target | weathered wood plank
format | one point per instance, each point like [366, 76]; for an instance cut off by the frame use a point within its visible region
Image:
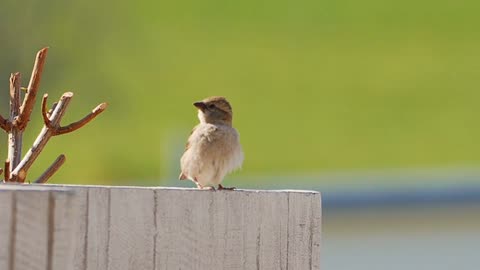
[231, 250]
[32, 230]
[265, 230]
[315, 230]
[131, 237]
[252, 216]
[36, 233]
[302, 230]
[193, 233]
[273, 231]
[159, 228]
[177, 227]
[61, 225]
[7, 210]
[98, 225]
[80, 228]
[232, 230]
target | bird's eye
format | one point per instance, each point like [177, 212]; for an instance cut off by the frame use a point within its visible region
[211, 106]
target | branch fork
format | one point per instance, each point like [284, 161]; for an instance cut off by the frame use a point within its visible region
[51, 122]
[16, 168]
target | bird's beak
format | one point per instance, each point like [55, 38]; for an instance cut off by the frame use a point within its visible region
[200, 105]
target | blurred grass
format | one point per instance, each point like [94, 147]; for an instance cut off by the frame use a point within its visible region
[315, 85]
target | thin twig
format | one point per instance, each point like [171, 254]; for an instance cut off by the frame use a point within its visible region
[15, 134]
[80, 123]
[45, 134]
[6, 176]
[16, 168]
[49, 113]
[29, 100]
[45, 115]
[51, 170]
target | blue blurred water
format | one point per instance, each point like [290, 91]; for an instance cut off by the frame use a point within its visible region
[442, 238]
[446, 250]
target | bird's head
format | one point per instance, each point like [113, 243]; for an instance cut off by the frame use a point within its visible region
[214, 110]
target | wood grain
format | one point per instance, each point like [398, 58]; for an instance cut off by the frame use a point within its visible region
[80, 228]
[236, 230]
[61, 228]
[131, 234]
[302, 227]
[32, 224]
[7, 222]
[98, 223]
[316, 228]
[116, 228]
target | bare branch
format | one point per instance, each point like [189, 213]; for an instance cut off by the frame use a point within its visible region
[6, 176]
[45, 112]
[76, 125]
[45, 134]
[51, 170]
[4, 124]
[15, 133]
[16, 168]
[15, 94]
[49, 113]
[29, 100]
[20, 177]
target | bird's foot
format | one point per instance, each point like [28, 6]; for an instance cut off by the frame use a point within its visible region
[220, 187]
[205, 188]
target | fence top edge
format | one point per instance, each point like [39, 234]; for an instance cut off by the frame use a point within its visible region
[32, 187]
[174, 188]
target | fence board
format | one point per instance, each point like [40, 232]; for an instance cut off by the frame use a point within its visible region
[302, 225]
[116, 228]
[36, 231]
[61, 225]
[7, 204]
[80, 229]
[131, 229]
[31, 237]
[98, 227]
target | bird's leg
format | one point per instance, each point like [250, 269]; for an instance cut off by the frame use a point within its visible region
[202, 187]
[198, 184]
[220, 187]
[206, 188]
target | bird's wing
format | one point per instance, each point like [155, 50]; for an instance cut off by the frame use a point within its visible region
[182, 175]
[187, 145]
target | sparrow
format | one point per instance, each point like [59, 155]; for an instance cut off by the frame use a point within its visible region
[213, 149]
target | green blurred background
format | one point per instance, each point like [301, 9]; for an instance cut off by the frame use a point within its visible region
[316, 86]
[375, 103]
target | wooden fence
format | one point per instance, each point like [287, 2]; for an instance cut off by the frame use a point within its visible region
[53, 227]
